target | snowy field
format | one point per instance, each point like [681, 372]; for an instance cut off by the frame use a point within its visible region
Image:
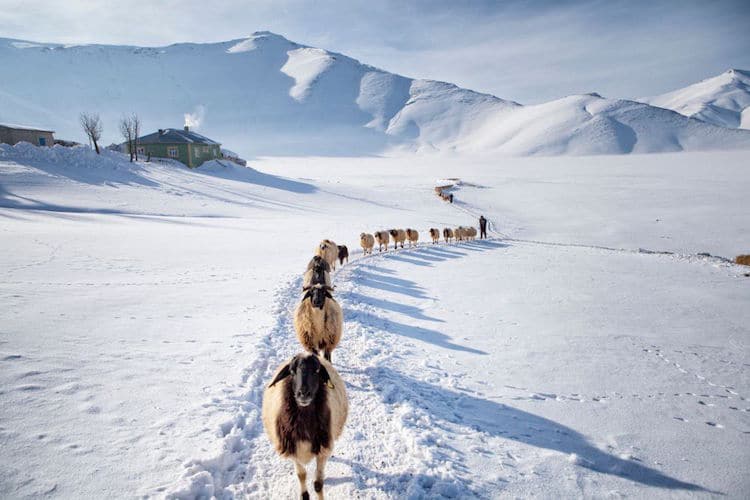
[589, 348]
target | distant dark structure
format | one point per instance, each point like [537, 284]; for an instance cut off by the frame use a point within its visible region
[13, 134]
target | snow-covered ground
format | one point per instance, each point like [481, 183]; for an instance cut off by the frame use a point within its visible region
[587, 349]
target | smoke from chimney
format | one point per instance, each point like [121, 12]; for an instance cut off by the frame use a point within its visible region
[194, 119]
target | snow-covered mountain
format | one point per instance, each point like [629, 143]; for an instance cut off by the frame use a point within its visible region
[723, 100]
[266, 95]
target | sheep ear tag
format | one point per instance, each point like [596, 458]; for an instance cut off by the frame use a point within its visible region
[329, 384]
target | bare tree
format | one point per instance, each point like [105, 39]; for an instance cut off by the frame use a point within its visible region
[136, 122]
[92, 125]
[130, 128]
[126, 129]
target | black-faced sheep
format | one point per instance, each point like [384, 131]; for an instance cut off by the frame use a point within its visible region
[304, 412]
[459, 233]
[318, 320]
[329, 251]
[399, 236]
[343, 254]
[318, 272]
[435, 235]
[383, 239]
[413, 236]
[366, 241]
[447, 234]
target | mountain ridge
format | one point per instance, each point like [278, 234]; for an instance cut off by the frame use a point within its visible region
[267, 95]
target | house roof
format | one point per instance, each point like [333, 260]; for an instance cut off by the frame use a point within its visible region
[175, 136]
[25, 127]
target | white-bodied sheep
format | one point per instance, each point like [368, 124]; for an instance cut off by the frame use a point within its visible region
[329, 251]
[471, 232]
[435, 235]
[413, 236]
[448, 234]
[459, 233]
[318, 320]
[366, 241]
[399, 236]
[304, 412]
[383, 239]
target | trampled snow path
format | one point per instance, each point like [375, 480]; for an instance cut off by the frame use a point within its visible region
[398, 441]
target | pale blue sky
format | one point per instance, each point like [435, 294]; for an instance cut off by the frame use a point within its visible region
[527, 51]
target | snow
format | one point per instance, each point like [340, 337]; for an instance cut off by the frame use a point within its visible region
[305, 65]
[292, 99]
[722, 100]
[590, 348]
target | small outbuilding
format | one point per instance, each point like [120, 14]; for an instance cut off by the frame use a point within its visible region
[179, 144]
[12, 134]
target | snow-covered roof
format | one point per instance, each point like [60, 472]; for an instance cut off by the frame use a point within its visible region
[25, 127]
[175, 136]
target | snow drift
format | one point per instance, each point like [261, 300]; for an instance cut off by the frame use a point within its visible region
[266, 95]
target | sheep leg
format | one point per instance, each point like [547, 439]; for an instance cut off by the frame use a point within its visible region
[327, 355]
[320, 461]
[302, 476]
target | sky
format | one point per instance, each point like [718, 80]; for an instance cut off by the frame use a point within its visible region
[527, 51]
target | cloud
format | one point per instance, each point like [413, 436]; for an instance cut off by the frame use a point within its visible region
[528, 51]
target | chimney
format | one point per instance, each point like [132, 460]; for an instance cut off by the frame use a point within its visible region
[187, 129]
[161, 131]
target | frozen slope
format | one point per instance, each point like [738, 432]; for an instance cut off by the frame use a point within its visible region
[266, 95]
[146, 305]
[723, 100]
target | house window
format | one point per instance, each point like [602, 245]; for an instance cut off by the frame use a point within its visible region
[140, 150]
[197, 153]
[172, 151]
[42, 141]
[205, 149]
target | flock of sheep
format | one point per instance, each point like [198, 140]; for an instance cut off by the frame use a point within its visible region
[305, 406]
[383, 238]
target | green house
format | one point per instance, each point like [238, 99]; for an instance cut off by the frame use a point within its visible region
[179, 144]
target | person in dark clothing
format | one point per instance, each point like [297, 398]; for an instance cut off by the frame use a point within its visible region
[482, 227]
[450, 197]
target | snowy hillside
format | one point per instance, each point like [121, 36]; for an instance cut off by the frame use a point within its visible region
[591, 348]
[266, 95]
[723, 100]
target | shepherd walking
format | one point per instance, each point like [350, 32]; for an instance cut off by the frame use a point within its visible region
[482, 227]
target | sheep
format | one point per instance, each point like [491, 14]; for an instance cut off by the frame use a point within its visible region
[343, 254]
[412, 235]
[447, 234]
[743, 260]
[366, 241]
[318, 272]
[329, 251]
[318, 320]
[435, 235]
[399, 236]
[304, 412]
[471, 232]
[459, 233]
[383, 239]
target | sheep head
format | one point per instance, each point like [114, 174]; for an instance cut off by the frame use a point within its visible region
[308, 376]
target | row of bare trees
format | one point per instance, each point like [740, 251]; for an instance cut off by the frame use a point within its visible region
[130, 128]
